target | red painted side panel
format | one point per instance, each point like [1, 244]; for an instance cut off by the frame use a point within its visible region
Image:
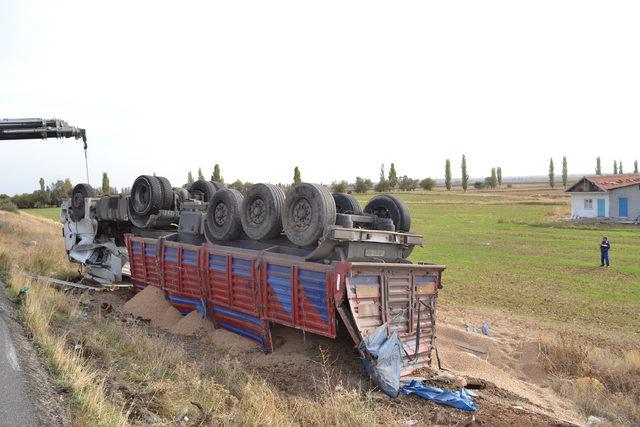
[181, 278]
[299, 294]
[231, 283]
[143, 261]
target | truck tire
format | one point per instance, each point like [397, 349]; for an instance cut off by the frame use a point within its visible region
[167, 193]
[217, 185]
[347, 204]
[261, 211]
[146, 195]
[223, 215]
[203, 190]
[308, 211]
[405, 222]
[80, 192]
[387, 206]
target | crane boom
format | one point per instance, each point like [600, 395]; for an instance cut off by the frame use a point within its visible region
[15, 129]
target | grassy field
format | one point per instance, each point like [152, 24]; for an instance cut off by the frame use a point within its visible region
[51, 213]
[514, 252]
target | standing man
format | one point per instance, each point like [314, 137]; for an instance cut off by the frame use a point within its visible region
[604, 251]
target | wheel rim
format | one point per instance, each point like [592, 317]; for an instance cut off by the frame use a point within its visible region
[381, 212]
[301, 210]
[78, 200]
[142, 197]
[220, 214]
[257, 211]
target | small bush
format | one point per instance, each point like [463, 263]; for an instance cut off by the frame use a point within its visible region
[427, 184]
[363, 185]
[339, 186]
[8, 205]
[408, 184]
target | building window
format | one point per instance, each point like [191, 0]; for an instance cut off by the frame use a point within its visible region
[588, 203]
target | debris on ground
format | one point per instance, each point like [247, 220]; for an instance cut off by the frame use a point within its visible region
[382, 358]
[461, 399]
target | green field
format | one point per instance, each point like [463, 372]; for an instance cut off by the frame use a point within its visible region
[51, 213]
[517, 255]
[511, 251]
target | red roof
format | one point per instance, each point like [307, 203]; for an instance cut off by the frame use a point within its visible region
[609, 182]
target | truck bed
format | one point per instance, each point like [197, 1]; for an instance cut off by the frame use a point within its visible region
[245, 290]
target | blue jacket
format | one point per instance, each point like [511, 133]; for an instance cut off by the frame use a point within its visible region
[604, 247]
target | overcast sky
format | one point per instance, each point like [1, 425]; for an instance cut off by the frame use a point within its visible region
[335, 87]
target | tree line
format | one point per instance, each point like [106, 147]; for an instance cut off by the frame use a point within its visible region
[617, 167]
[53, 194]
[617, 170]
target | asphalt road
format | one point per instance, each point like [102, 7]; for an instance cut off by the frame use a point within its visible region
[15, 405]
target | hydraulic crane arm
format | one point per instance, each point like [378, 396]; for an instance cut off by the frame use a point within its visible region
[11, 129]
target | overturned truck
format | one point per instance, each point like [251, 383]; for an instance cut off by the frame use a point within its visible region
[309, 259]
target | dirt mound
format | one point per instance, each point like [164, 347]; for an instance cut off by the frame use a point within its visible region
[191, 324]
[151, 304]
[506, 361]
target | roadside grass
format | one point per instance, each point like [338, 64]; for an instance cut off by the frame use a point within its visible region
[8, 206]
[603, 382]
[117, 374]
[41, 303]
[49, 213]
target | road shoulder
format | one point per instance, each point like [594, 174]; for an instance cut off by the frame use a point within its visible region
[33, 398]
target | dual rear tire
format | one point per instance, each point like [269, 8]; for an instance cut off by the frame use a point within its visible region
[387, 206]
[149, 195]
[308, 211]
[223, 216]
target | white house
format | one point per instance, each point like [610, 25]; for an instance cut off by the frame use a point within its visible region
[606, 196]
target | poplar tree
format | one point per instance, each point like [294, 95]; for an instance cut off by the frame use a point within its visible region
[216, 175]
[68, 187]
[565, 172]
[615, 167]
[620, 167]
[190, 178]
[296, 176]
[493, 181]
[105, 183]
[41, 182]
[465, 176]
[447, 174]
[598, 167]
[200, 175]
[552, 177]
[635, 166]
[499, 172]
[393, 176]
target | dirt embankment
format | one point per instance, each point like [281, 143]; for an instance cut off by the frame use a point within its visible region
[516, 390]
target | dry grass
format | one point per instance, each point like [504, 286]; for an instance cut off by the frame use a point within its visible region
[602, 382]
[8, 205]
[120, 374]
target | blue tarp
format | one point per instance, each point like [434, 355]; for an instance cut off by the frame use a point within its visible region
[461, 399]
[383, 359]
